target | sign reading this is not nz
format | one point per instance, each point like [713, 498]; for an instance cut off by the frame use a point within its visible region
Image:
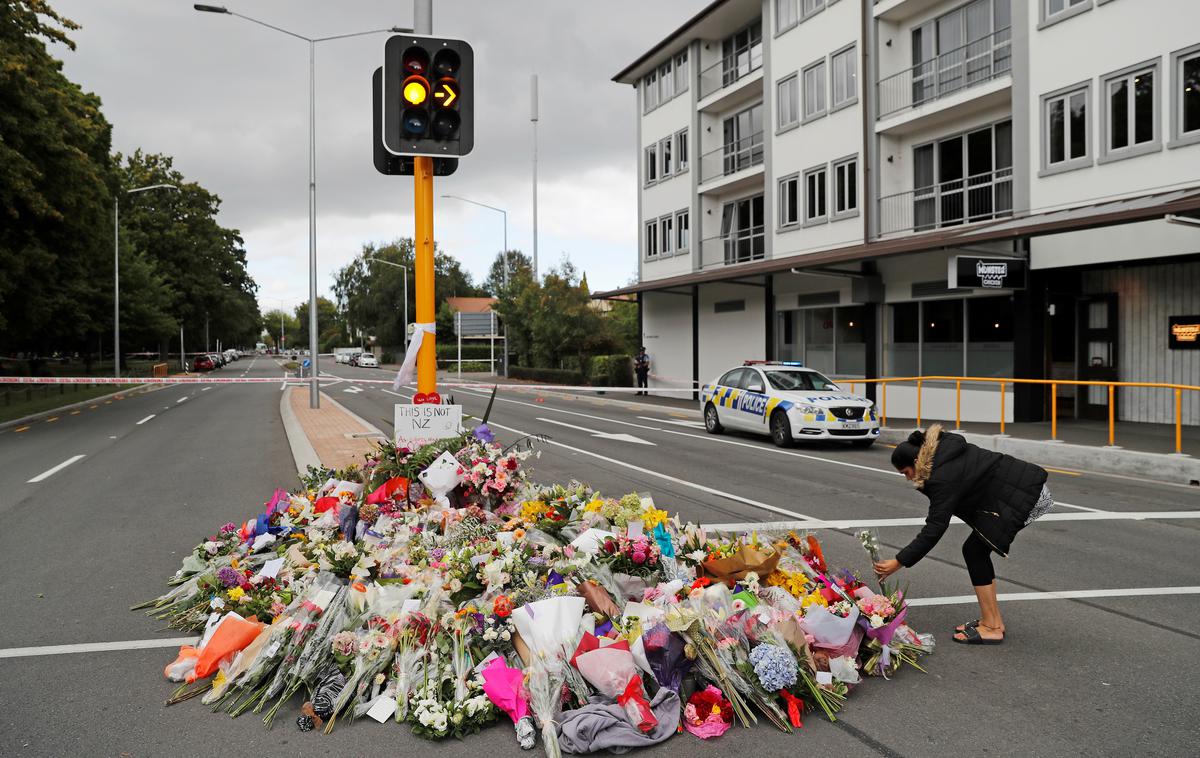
[427, 422]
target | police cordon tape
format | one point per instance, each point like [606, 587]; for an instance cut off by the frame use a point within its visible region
[294, 381]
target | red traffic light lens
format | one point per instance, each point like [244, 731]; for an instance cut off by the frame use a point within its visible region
[414, 122]
[445, 124]
[446, 63]
[415, 60]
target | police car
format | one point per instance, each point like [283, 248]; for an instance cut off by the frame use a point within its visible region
[789, 402]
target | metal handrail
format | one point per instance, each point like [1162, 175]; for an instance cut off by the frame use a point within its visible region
[977, 61]
[735, 156]
[729, 247]
[980, 197]
[958, 380]
[731, 70]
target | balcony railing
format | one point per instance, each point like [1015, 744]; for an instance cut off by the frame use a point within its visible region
[974, 63]
[731, 158]
[961, 201]
[741, 246]
[730, 69]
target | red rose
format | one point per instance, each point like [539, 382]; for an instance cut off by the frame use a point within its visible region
[502, 607]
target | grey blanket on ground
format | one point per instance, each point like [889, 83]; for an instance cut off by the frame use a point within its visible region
[603, 725]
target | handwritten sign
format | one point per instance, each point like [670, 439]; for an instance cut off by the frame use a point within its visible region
[427, 422]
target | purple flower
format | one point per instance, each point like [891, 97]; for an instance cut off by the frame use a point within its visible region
[228, 528]
[437, 554]
[229, 577]
[483, 433]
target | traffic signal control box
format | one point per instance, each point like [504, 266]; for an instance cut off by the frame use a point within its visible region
[428, 96]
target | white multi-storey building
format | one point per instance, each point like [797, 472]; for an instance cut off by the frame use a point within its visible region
[991, 188]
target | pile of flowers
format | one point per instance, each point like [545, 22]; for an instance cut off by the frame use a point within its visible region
[437, 587]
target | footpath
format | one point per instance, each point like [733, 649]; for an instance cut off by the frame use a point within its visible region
[331, 436]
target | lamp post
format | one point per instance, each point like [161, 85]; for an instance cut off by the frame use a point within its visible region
[117, 270]
[282, 301]
[314, 399]
[503, 213]
[402, 266]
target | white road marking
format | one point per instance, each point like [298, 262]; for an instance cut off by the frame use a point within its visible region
[677, 422]
[668, 477]
[152, 415]
[1059, 595]
[783, 526]
[52, 471]
[206, 389]
[601, 435]
[97, 647]
[353, 390]
[180, 400]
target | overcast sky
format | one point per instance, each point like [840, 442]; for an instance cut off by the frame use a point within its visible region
[228, 99]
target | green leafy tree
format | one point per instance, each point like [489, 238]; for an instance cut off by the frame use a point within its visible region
[275, 319]
[519, 264]
[331, 331]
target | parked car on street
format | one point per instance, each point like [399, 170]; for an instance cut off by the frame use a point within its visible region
[203, 363]
[368, 360]
[789, 402]
[353, 359]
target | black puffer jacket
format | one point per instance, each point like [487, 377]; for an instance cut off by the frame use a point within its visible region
[992, 492]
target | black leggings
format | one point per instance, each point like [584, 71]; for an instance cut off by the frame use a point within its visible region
[978, 555]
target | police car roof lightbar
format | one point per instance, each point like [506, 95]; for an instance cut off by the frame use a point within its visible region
[797, 364]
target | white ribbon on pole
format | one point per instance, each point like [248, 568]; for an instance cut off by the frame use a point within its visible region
[405, 374]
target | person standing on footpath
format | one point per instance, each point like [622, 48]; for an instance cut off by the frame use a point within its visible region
[996, 495]
[641, 367]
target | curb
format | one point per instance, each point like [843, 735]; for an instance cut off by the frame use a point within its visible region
[302, 450]
[73, 406]
[1163, 467]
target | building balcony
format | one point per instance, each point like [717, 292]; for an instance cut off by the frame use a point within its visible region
[977, 70]
[732, 166]
[731, 249]
[982, 197]
[900, 10]
[731, 80]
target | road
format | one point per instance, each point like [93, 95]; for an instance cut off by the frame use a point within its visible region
[1105, 673]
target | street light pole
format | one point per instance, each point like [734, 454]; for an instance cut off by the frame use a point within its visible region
[117, 271]
[314, 397]
[503, 213]
[400, 266]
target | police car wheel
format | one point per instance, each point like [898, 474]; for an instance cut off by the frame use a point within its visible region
[712, 424]
[781, 429]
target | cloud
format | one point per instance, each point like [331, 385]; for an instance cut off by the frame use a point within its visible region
[228, 99]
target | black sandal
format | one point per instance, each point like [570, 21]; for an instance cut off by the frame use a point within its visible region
[971, 636]
[962, 628]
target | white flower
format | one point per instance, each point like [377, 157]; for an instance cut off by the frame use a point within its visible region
[876, 621]
[216, 604]
[344, 549]
[211, 547]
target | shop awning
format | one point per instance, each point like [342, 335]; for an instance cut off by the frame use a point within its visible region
[1077, 218]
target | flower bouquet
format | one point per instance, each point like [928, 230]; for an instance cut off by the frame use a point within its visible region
[708, 713]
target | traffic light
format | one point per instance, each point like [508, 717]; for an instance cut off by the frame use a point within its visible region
[386, 162]
[428, 103]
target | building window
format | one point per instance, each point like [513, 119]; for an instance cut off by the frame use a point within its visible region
[814, 91]
[812, 7]
[664, 150]
[787, 97]
[681, 151]
[789, 200]
[904, 346]
[651, 161]
[1065, 129]
[1054, 11]
[815, 184]
[741, 53]
[666, 82]
[969, 45]
[845, 77]
[786, 15]
[1185, 96]
[666, 235]
[990, 336]
[650, 92]
[683, 236]
[652, 239]
[681, 72]
[1130, 124]
[959, 179]
[742, 230]
[942, 338]
[845, 187]
[743, 140]
[850, 340]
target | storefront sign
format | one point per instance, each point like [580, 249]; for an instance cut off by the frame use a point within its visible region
[1184, 332]
[973, 272]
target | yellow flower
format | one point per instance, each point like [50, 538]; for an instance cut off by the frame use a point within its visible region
[236, 593]
[233, 563]
[532, 510]
[653, 517]
[594, 506]
[814, 599]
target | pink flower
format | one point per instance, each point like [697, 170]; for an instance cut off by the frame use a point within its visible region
[638, 557]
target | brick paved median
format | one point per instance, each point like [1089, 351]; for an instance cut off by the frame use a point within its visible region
[330, 430]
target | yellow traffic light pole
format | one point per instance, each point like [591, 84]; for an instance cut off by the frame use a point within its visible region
[423, 275]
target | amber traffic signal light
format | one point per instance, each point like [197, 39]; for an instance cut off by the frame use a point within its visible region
[428, 107]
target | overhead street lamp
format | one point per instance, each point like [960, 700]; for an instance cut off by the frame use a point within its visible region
[503, 213]
[397, 265]
[314, 399]
[282, 314]
[117, 270]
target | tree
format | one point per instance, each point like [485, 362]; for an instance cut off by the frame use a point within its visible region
[331, 331]
[519, 264]
[273, 320]
[56, 187]
[622, 322]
